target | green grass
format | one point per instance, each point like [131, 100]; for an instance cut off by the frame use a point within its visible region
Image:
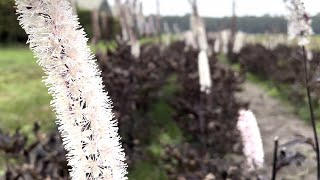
[103, 47]
[224, 60]
[145, 170]
[164, 132]
[23, 97]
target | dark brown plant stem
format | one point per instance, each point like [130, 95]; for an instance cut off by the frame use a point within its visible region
[311, 110]
[201, 113]
[275, 159]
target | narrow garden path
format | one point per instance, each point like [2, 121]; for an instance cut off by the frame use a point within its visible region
[276, 118]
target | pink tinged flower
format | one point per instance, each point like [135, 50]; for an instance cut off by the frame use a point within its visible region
[251, 139]
[299, 22]
[83, 109]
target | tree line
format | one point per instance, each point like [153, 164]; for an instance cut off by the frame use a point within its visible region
[249, 24]
[10, 30]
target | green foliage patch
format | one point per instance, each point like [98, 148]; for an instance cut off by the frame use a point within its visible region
[24, 99]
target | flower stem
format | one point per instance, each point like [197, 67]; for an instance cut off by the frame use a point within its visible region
[275, 159]
[311, 110]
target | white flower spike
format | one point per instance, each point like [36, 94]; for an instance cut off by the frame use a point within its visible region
[204, 72]
[89, 132]
[299, 22]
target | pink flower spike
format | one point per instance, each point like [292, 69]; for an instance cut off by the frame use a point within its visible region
[251, 139]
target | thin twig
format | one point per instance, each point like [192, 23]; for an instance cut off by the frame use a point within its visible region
[311, 110]
[275, 159]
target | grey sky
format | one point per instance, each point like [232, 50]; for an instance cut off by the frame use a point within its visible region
[219, 8]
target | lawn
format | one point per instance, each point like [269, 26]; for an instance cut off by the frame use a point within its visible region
[23, 97]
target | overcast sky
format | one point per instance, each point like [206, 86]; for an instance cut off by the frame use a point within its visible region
[219, 8]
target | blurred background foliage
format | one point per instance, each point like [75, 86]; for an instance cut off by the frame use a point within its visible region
[11, 32]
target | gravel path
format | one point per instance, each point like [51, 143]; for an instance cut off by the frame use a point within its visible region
[277, 119]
